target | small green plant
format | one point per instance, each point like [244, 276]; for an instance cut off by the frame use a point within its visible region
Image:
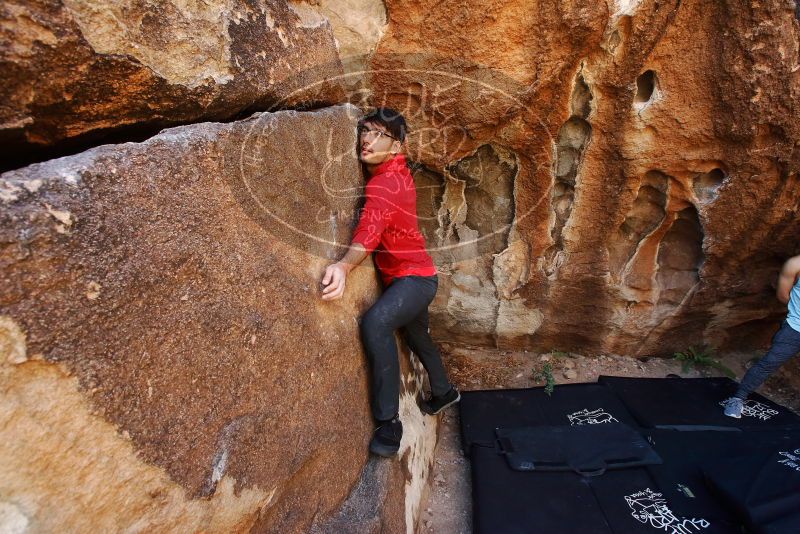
[545, 375]
[559, 354]
[700, 359]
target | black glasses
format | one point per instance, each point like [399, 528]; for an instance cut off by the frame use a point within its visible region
[363, 130]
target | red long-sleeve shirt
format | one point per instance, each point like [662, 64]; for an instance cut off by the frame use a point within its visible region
[388, 223]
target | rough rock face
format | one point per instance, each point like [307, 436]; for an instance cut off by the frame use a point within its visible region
[166, 363]
[617, 175]
[601, 176]
[76, 71]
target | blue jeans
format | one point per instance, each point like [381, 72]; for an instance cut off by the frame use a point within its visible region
[785, 344]
[403, 305]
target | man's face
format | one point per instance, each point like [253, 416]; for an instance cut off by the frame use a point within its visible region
[375, 144]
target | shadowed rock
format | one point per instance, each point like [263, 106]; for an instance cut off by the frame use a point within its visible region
[78, 73]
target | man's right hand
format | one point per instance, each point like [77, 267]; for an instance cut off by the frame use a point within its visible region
[334, 280]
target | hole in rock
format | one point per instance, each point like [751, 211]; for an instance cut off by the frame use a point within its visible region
[680, 255]
[572, 139]
[488, 176]
[613, 41]
[581, 98]
[646, 214]
[573, 136]
[706, 185]
[430, 191]
[645, 87]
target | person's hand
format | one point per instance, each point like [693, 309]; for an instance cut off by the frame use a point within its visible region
[334, 280]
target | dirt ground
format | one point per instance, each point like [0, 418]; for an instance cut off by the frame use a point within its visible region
[449, 506]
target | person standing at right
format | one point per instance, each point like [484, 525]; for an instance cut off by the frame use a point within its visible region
[785, 342]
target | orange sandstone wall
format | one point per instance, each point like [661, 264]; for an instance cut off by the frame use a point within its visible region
[602, 176]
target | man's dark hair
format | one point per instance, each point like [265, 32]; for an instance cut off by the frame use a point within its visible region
[390, 119]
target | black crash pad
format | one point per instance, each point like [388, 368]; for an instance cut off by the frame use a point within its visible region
[673, 497]
[680, 477]
[570, 404]
[586, 449]
[633, 503]
[505, 501]
[626, 501]
[762, 488]
[694, 404]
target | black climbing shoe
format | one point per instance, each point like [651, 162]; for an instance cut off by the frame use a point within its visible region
[386, 439]
[435, 405]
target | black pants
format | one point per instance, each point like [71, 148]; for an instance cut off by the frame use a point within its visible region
[785, 344]
[404, 304]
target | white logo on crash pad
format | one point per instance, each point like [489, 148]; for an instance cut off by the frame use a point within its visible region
[756, 409]
[594, 417]
[791, 459]
[759, 410]
[651, 508]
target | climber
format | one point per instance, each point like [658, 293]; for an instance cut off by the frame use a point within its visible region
[785, 342]
[388, 226]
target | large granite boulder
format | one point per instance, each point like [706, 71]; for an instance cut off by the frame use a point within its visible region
[166, 362]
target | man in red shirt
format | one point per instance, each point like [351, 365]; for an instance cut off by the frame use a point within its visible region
[388, 226]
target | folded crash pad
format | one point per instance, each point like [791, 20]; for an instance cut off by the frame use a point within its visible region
[586, 449]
